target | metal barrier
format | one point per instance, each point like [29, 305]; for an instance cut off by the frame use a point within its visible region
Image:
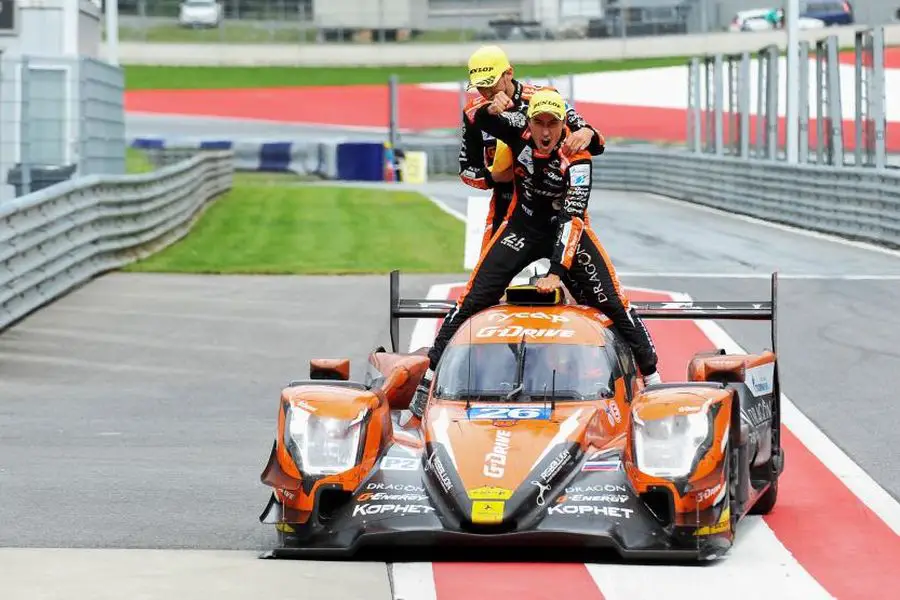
[853, 202]
[57, 238]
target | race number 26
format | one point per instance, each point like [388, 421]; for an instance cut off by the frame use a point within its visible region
[508, 413]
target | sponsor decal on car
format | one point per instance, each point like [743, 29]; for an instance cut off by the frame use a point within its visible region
[487, 511]
[502, 317]
[396, 509]
[607, 488]
[554, 467]
[369, 496]
[437, 466]
[590, 509]
[614, 498]
[395, 487]
[508, 412]
[396, 463]
[517, 331]
[490, 492]
[495, 460]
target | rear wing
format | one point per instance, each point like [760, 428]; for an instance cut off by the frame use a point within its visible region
[424, 308]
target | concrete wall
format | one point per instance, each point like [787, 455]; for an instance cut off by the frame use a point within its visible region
[457, 54]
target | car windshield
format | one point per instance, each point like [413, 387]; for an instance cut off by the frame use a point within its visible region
[491, 371]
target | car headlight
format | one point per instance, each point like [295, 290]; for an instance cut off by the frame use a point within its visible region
[666, 447]
[322, 445]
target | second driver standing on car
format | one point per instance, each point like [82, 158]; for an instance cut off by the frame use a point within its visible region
[547, 219]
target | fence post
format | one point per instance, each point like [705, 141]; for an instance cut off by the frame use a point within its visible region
[694, 136]
[772, 57]
[803, 108]
[744, 102]
[820, 102]
[761, 116]
[25, 126]
[84, 168]
[394, 109]
[859, 92]
[877, 98]
[718, 87]
[835, 112]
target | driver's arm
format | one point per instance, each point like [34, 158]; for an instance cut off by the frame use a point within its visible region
[572, 213]
[507, 126]
[472, 170]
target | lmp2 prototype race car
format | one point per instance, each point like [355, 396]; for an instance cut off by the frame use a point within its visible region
[538, 433]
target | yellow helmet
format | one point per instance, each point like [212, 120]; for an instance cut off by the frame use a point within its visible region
[486, 65]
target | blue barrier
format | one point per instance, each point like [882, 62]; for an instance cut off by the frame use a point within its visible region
[360, 161]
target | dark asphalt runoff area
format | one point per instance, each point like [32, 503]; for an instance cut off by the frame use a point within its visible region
[139, 410]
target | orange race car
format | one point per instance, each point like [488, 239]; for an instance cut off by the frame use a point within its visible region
[538, 432]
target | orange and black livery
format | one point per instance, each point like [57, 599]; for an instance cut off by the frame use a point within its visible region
[538, 432]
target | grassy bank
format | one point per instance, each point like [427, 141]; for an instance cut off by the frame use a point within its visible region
[274, 226]
[142, 77]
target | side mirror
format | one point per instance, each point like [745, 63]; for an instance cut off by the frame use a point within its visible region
[330, 368]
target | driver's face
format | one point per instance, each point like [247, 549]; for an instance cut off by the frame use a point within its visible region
[501, 85]
[545, 130]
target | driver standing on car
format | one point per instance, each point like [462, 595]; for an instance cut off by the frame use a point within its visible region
[547, 219]
[480, 156]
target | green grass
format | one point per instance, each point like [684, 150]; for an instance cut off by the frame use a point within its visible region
[145, 77]
[276, 226]
[136, 161]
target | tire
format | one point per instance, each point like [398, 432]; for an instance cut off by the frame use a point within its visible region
[767, 501]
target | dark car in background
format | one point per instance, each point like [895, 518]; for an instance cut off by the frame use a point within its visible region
[830, 12]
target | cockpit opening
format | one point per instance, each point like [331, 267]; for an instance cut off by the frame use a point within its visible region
[525, 372]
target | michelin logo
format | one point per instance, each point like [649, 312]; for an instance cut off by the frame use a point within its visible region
[580, 175]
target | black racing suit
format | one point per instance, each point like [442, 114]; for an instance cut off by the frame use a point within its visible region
[548, 219]
[476, 154]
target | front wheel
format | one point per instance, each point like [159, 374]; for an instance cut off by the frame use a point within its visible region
[767, 501]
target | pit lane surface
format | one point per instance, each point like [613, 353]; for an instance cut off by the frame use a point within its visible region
[137, 412]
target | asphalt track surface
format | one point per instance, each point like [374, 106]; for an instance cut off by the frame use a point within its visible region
[138, 411]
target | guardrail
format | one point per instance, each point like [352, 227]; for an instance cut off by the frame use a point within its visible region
[853, 202]
[55, 239]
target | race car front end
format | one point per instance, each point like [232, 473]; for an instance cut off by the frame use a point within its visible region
[562, 494]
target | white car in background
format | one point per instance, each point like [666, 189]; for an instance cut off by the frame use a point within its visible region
[200, 13]
[755, 20]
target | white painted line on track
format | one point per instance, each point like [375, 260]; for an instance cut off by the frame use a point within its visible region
[756, 221]
[860, 483]
[443, 206]
[757, 556]
[413, 581]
